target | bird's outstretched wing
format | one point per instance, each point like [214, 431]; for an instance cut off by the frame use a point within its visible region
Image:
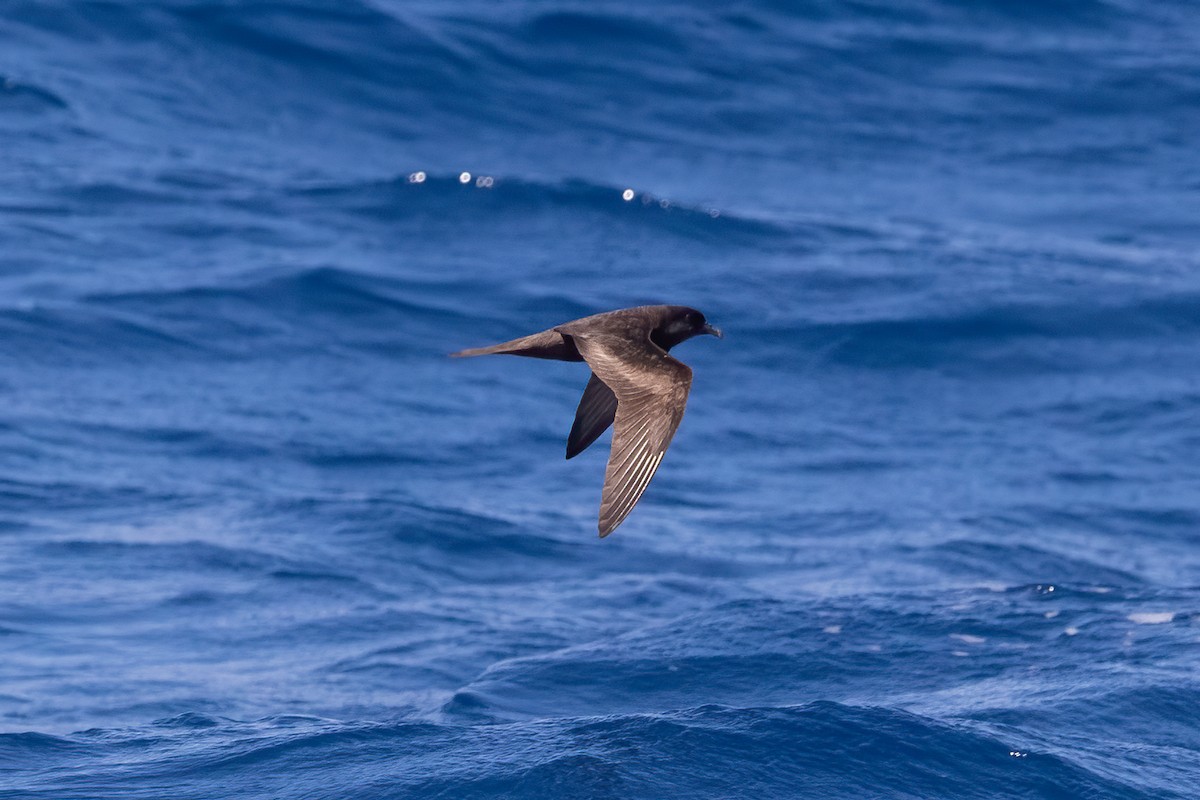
[651, 389]
[596, 411]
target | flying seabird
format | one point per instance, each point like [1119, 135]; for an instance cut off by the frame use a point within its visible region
[633, 382]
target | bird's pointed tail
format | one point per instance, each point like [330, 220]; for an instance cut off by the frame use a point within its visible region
[482, 351]
[547, 344]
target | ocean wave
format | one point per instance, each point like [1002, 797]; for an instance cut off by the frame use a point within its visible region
[330, 307]
[18, 97]
[1051, 337]
[68, 335]
[1017, 563]
[669, 72]
[307, 293]
[707, 751]
[499, 197]
[321, 307]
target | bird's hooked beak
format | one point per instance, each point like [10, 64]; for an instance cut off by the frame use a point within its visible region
[713, 331]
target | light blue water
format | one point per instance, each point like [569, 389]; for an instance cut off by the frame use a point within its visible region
[928, 530]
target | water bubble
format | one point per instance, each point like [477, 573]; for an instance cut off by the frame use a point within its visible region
[484, 181]
[627, 195]
[416, 177]
[464, 177]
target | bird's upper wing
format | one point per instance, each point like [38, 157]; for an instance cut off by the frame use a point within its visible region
[596, 411]
[652, 391]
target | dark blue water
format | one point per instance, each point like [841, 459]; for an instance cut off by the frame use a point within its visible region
[929, 529]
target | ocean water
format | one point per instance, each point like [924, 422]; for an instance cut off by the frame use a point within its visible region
[931, 525]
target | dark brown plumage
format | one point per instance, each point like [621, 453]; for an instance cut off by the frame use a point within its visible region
[634, 383]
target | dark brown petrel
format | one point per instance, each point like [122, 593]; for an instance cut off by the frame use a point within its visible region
[633, 381]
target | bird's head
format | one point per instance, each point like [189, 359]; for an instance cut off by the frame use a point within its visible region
[681, 324]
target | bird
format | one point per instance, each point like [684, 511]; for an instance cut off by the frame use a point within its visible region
[635, 386]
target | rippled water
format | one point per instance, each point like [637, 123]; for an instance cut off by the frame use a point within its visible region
[928, 530]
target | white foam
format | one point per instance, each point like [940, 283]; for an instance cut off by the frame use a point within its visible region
[1152, 617]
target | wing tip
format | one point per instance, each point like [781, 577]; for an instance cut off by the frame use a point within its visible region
[607, 526]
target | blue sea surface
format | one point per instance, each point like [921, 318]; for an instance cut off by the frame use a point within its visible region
[930, 528]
